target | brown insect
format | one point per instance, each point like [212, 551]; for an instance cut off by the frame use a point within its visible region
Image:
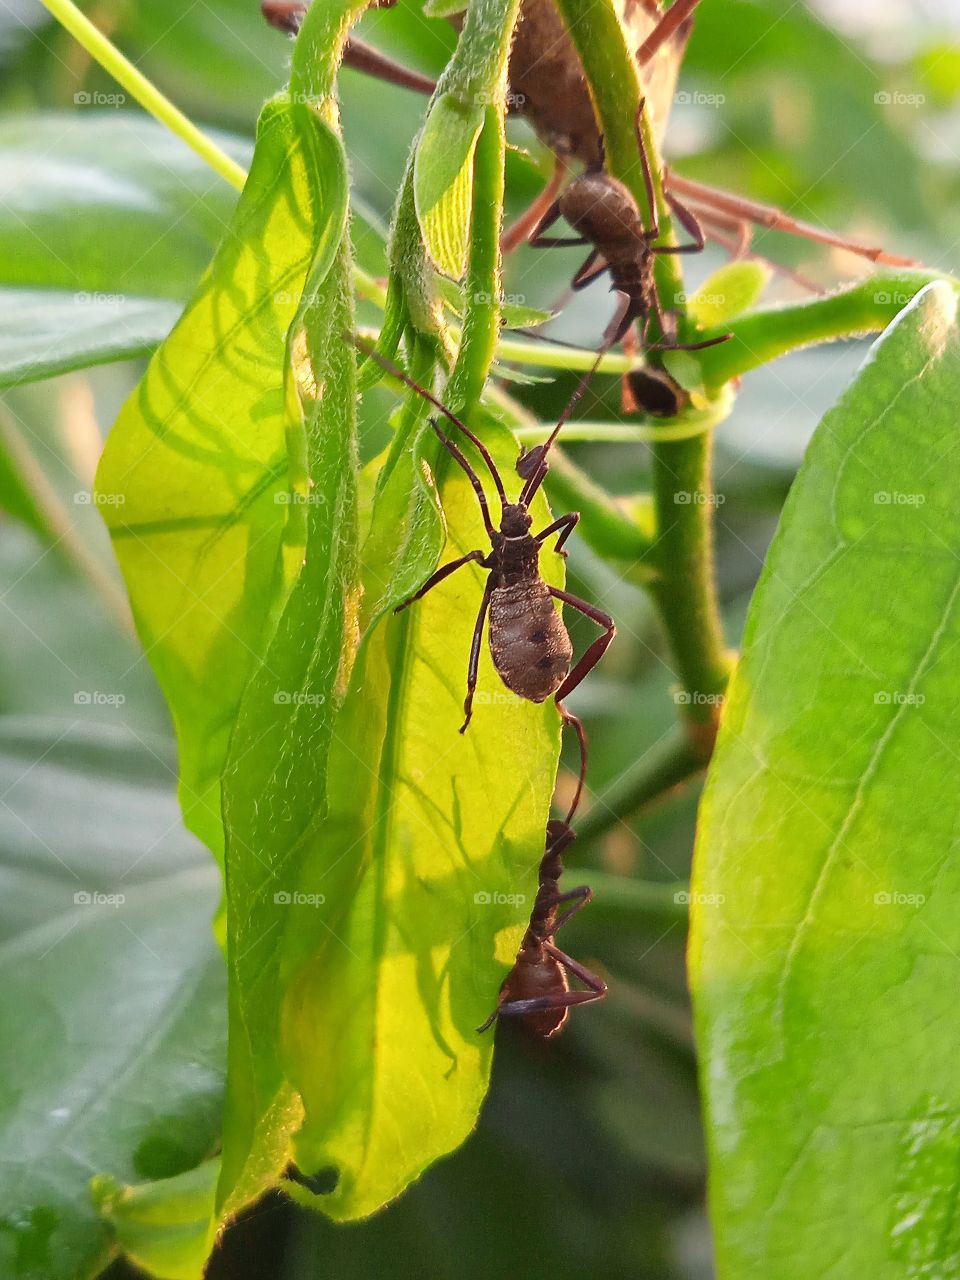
[605, 215]
[548, 87]
[529, 643]
[537, 988]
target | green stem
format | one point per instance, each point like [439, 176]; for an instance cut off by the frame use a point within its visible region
[685, 583]
[106, 53]
[481, 326]
[661, 770]
[150, 98]
[761, 336]
[619, 896]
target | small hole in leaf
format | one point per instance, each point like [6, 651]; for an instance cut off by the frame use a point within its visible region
[322, 1183]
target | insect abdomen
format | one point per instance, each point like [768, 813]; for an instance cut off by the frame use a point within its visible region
[528, 641]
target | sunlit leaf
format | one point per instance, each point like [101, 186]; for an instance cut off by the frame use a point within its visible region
[428, 853]
[826, 907]
[729, 291]
[193, 482]
[163, 1227]
[443, 180]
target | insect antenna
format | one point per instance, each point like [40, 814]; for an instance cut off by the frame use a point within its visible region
[533, 464]
[389, 367]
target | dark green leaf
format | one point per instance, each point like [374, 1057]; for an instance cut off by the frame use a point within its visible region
[45, 332]
[112, 988]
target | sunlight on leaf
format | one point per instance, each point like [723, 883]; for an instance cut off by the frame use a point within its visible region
[196, 467]
[429, 853]
[729, 291]
[443, 181]
[826, 897]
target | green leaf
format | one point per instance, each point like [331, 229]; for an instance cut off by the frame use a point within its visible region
[274, 781]
[731, 290]
[100, 192]
[474, 79]
[193, 482]
[164, 1227]
[443, 180]
[826, 891]
[391, 975]
[46, 332]
[112, 988]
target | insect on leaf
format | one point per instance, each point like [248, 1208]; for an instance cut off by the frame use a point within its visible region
[826, 917]
[426, 863]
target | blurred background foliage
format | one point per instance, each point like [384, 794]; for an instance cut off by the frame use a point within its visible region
[588, 1159]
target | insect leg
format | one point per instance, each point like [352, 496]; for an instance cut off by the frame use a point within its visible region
[577, 725]
[528, 222]
[564, 526]
[596, 650]
[579, 897]
[475, 657]
[597, 985]
[688, 220]
[654, 229]
[547, 1004]
[668, 25]
[775, 219]
[285, 15]
[589, 272]
[443, 572]
[539, 240]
